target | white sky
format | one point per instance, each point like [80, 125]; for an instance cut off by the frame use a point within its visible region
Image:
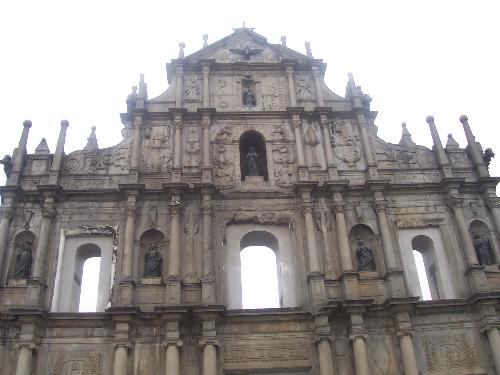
[77, 60]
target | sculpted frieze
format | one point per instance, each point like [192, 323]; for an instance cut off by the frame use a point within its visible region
[304, 88]
[157, 151]
[222, 161]
[284, 165]
[192, 83]
[345, 142]
[252, 217]
[258, 351]
[107, 182]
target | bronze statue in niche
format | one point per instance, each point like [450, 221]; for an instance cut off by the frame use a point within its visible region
[248, 92]
[253, 160]
[366, 259]
[483, 250]
[152, 261]
[24, 259]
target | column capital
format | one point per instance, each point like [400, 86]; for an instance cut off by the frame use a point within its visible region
[177, 343]
[31, 345]
[48, 212]
[405, 332]
[208, 341]
[454, 201]
[323, 337]
[338, 207]
[358, 335]
[6, 213]
[126, 344]
[380, 206]
[492, 202]
[175, 207]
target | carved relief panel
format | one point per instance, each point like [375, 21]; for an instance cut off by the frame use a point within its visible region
[156, 150]
[223, 157]
[77, 363]
[284, 164]
[346, 145]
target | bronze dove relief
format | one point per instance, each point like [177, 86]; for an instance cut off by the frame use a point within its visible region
[246, 52]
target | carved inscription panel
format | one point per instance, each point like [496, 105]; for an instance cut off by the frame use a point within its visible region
[81, 363]
[447, 353]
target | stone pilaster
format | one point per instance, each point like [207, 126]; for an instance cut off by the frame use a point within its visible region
[405, 333]
[365, 141]
[493, 204]
[25, 359]
[136, 147]
[296, 116]
[18, 157]
[179, 75]
[323, 215]
[206, 121]
[209, 344]
[174, 255]
[121, 348]
[317, 85]
[323, 340]
[205, 70]
[172, 345]
[291, 85]
[324, 124]
[358, 337]
[6, 212]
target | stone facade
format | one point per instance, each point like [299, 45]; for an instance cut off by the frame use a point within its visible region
[248, 146]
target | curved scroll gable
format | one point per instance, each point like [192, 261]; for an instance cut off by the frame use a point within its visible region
[393, 156]
[110, 160]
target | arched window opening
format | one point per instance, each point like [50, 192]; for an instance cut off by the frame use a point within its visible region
[89, 285]
[259, 278]
[424, 255]
[253, 160]
[422, 276]
[260, 271]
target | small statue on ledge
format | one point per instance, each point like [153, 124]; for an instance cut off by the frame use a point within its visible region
[132, 100]
[22, 266]
[7, 165]
[152, 261]
[252, 162]
[483, 250]
[366, 260]
[488, 154]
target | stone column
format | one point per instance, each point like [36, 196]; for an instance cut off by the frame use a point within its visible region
[297, 123]
[174, 255]
[209, 359]
[323, 220]
[127, 273]
[475, 150]
[179, 72]
[326, 141]
[385, 233]
[206, 141]
[177, 141]
[121, 359]
[208, 293]
[291, 86]
[408, 353]
[470, 253]
[312, 246]
[494, 204]
[17, 163]
[58, 155]
[136, 145]
[494, 341]
[43, 239]
[317, 84]
[360, 355]
[365, 140]
[206, 87]
[24, 360]
[325, 356]
[343, 238]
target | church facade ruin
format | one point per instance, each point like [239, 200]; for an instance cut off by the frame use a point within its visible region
[249, 147]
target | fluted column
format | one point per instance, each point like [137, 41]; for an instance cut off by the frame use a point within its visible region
[408, 353]
[17, 163]
[494, 341]
[208, 279]
[297, 123]
[470, 253]
[291, 86]
[475, 151]
[178, 86]
[48, 214]
[58, 155]
[343, 239]
[5, 215]
[206, 87]
[317, 84]
[174, 255]
[24, 360]
[387, 240]
[121, 359]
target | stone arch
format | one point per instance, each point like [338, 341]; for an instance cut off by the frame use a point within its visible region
[152, 254]
[363, 242]
[23, 256]
[484, 242]
[83, 253]
[253, 155]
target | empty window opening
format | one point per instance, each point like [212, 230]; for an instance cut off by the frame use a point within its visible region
[83, 254]
[253, 159]
[259, 278]
[89, 285]
[424, 255]
[422, 276]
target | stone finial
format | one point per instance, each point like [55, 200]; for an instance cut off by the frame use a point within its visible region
[27, 123]
[92, 141]
[406, 137]
[429, 119]
[308, 50]
[143, 88]
[463, 119]
[451, 142]
[283, 41]
[65, 123]
[205, 40]
[42, 148]
[181, 50]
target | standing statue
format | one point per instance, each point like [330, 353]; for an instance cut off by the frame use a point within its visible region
[7, 165]
[22, 267]
[483, 250]
[366, 260]
[249, 98]
[252, 162]
[152, 261]
[132, 100]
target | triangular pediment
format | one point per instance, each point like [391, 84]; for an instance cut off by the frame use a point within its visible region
[244, 45]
